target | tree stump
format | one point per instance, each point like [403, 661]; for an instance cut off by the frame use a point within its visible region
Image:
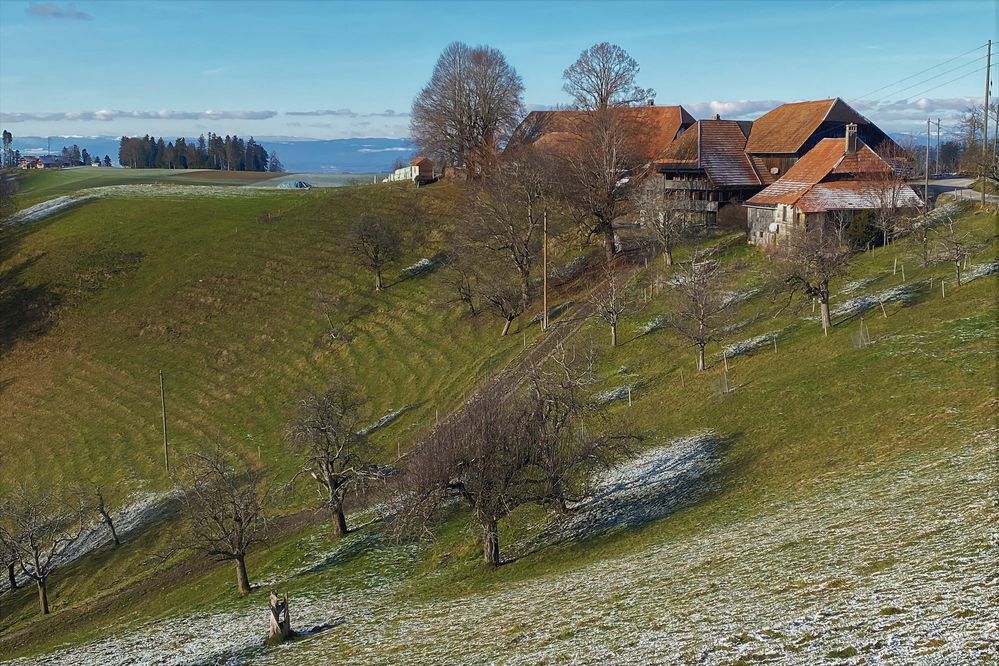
[280, 622]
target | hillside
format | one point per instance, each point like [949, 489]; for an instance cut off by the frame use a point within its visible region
[833, 503]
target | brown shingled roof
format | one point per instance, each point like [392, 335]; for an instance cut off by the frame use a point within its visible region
[827, 178]
[785, 130]
[658, 127]
[718, 147]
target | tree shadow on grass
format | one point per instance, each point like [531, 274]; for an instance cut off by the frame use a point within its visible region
[25, 311]
[654, 485]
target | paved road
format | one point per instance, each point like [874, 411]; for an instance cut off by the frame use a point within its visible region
[958, 187]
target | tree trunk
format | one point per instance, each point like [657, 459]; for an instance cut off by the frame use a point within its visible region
[610, 243]
[242, 579]
[378, 279]
[490, 543]
[668, 255]
[339, 520]
[613, 335]
[114, 534]
[957, 271]
[11, 578]
[43, 596]
[824, 307]
[700, 358]
[506, 327]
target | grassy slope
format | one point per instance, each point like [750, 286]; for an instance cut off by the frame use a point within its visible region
[798, 423]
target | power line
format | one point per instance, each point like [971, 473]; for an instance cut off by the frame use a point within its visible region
[926, 80]
[966, 74]
[912, 76]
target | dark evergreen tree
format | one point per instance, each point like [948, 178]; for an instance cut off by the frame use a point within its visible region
[275, 165]
[85, 157]
[107, 160]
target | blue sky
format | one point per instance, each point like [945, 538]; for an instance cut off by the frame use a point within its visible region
[345, 69]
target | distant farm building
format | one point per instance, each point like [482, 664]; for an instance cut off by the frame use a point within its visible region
[707, 168]
[30, 163]
[419, 171]
[838, 177]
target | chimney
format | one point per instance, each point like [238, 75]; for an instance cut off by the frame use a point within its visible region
[851, 138]
[717, 116]
[652, 102]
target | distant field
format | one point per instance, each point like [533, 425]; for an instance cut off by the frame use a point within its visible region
[41, 185]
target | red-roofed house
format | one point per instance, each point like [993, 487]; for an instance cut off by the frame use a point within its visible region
[655, 127]
[782, 136]
[837, 175]
[708, 163]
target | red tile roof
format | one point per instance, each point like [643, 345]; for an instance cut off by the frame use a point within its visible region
[827, 178]
[718, 147]
[785, 130]
[658, 126]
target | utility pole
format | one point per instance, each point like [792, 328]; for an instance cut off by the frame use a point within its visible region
[985, 127]
[544, 264]
[926, 170]
[166, 450]
[937, 168]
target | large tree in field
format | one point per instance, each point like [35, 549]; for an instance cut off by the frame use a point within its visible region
[375, 243]
[505, 220]
[37, 526]
[597, 171]
[604, 76]
[326, 434]
[224, 508]
[807, 262]
[501, 452]
[471, 104]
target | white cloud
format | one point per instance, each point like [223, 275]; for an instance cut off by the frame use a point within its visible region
[106, 115]
[739, 108]
[348, 113]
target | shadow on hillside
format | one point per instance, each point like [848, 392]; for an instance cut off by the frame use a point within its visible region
[25, 310]
[654, 485]
[347, 549]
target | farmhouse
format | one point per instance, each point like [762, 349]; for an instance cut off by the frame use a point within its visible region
[419, 171]
[654, 128]
[707, 169]
[30, 163]
[781, 137]
[834, 181]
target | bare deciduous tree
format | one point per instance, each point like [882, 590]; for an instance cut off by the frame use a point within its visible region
[223, 502]
[663, 212]
[461, 280]
[611, 300]
[604, 76]
[37, 527]
[807, 262]
[500, 453]
[889, 194]
[699, 308]
[105, 514]
[471, 104]
[375, 243]
[596, 173]
[954, 246]
[326, 433]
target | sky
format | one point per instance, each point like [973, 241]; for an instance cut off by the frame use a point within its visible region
[330, 70]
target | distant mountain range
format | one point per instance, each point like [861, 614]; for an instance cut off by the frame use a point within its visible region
[370, 155]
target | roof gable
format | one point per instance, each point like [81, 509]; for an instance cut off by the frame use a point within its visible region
[785, 130]
[827, 177]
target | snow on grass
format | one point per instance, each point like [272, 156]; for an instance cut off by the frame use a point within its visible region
[981, 270]
[855, 286]
[654, 324]
[861, 304]
[137, 513]
[750, 345]
[891, 563]
[385, 420]
[619, 393]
